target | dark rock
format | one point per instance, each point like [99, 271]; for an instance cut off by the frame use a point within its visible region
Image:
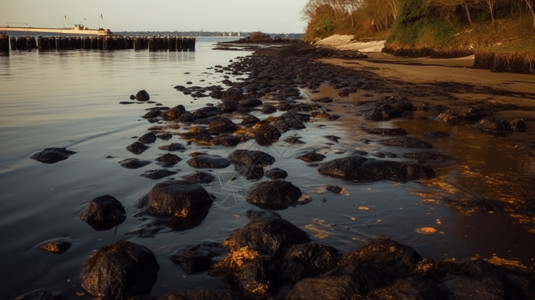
[500, 127]
[186, 117]
[518, 125]
[406, 142]
[267, 235]
[137, 148]
[220, 125]
[157, 174]
[249, 102]
[209, 161]
[360, 168]
[334, 287]
[312, 157]
[266, 135]
[201, 295]
[273, 194]
[389, 108]
[251, 157]
[324, 100]
[142, 96]
[332, 138]
[276, 173]
[229, 106]
[173, 147]
[251, 264]
[120, 271]
[147, 138]
[308, 260]
[103, 213]
[198, 258]
[168, 159]
[251, 172]
[335, 189]
[385, 131]
[185, 204]
[52, 155]
[462, 116]
[133, 163]
[250, 120]
[227, 140]
[294, 140]
[152, 114]
[165, 136]
[206, 112]
[57, 246]
[232, 94]
[200, 177]
[268, 109]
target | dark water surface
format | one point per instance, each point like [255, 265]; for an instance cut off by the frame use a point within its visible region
[71, 99]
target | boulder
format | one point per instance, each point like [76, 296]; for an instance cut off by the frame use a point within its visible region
[274, 194]
[360, 168]
[168, 159]
[276, 173]
[266, 135]
[103, 213]
[308, 260]
[221, 125]
[200, 177]
[120, 271]
[173, 147]
[312, 157]
[251, 157]
[137, 148]
[157, 174]
[142, 96]
[209, 161]
[406, 142]
[198, 258]
[250, 120]
[52, 155]
[251, 172]
[389, 108]
[461, 116]
[133, 163]
[147, 138]
[182, 203]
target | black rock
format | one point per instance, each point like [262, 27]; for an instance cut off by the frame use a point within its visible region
[142, 96]
[209, 161]
[229, 106]
[221, 125]
[52, 155]
[406, 142]
[267, 135]
[273, 194]
[147, 138]
[57, 246]
[308, 260]
[249, 102]
[251, 157]
[103, 213]
[335, 189]
[359, 168]
[312, 157]
[198, 258]
[173, 147]
[120, 271]
[251, 172]
[250, 120]
[133, 163]
[137, 148]
[389, 108]
[157, 174]
[169, 159]
[294, 140]
[276, 173]
[268, 109]
[185, 204]
[206, 112]
[200, 177]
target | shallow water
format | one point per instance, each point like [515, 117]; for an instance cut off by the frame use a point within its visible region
[71, 99]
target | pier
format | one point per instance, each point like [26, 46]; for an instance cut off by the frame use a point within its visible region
[102, 42]
[76, 30]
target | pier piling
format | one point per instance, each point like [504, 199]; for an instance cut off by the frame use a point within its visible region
[4, 44]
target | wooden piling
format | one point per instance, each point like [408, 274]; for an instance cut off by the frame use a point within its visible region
[4, 44]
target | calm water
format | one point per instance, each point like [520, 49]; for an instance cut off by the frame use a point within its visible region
[71, 99]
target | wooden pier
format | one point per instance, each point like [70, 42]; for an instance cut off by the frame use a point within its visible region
[42, 43]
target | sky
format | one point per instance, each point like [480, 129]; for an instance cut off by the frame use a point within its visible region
[269, 16]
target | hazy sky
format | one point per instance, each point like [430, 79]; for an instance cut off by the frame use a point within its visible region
[270, 16]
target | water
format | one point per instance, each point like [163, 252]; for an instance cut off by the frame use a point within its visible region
[71, 99]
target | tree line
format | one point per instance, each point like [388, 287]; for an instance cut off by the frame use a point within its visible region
[369, 17]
